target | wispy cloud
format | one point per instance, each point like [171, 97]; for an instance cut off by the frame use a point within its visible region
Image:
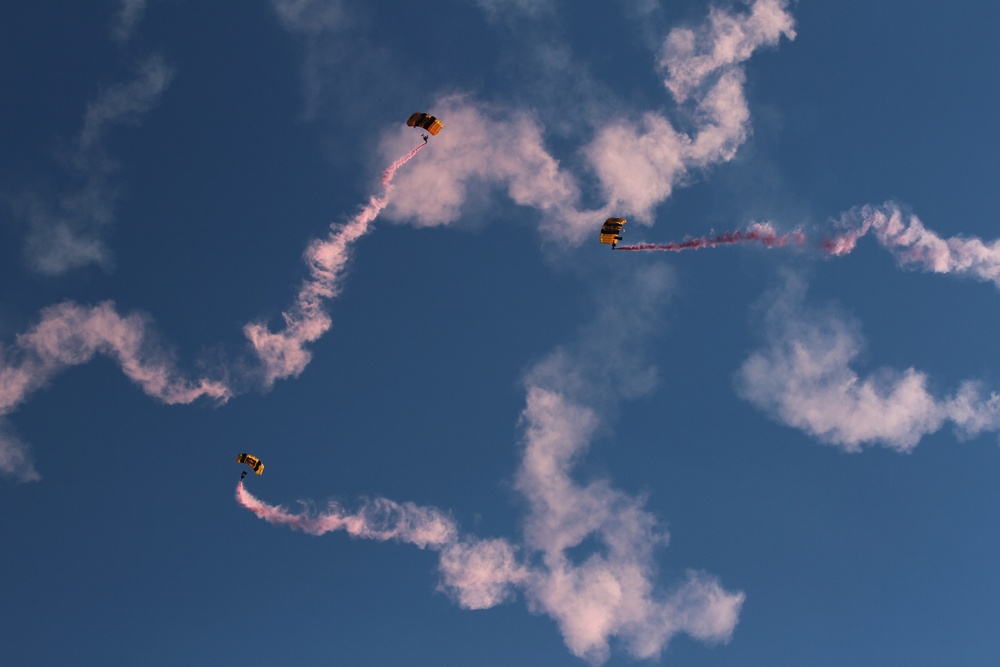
[338, 53]
[65, 231]
[804, 377]
[608, 592]
[312, 17]
[591, 371]
[500, 9]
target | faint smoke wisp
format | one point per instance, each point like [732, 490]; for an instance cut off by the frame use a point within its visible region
[65, 231]
[129, 16]
[15, 455]
[329, 31]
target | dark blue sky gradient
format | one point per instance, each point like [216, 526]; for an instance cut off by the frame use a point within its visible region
[131, 550]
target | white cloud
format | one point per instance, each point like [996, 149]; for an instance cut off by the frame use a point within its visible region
[803, 377]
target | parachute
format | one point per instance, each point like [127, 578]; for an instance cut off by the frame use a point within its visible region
[251, 461]
[426, 121]
[611, 232]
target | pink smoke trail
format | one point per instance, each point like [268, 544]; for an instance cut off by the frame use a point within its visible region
[761, 232]
[283, 353]
[915, 246]
[379, 519]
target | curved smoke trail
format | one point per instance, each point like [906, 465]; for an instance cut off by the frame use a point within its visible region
[283, 353]
[915, 246]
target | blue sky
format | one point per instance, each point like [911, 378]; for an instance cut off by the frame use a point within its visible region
[488, 438]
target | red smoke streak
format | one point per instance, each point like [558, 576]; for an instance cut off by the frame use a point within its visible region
[758, 233]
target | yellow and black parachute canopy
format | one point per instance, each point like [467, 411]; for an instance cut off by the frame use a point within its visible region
[611, 231]
[426, 121]
[251, 461]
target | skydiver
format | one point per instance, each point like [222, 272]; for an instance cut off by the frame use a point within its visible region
[243, 475]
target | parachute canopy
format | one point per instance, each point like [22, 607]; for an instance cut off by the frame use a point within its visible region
[426, 121]
[251, 461]
[611, 232]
